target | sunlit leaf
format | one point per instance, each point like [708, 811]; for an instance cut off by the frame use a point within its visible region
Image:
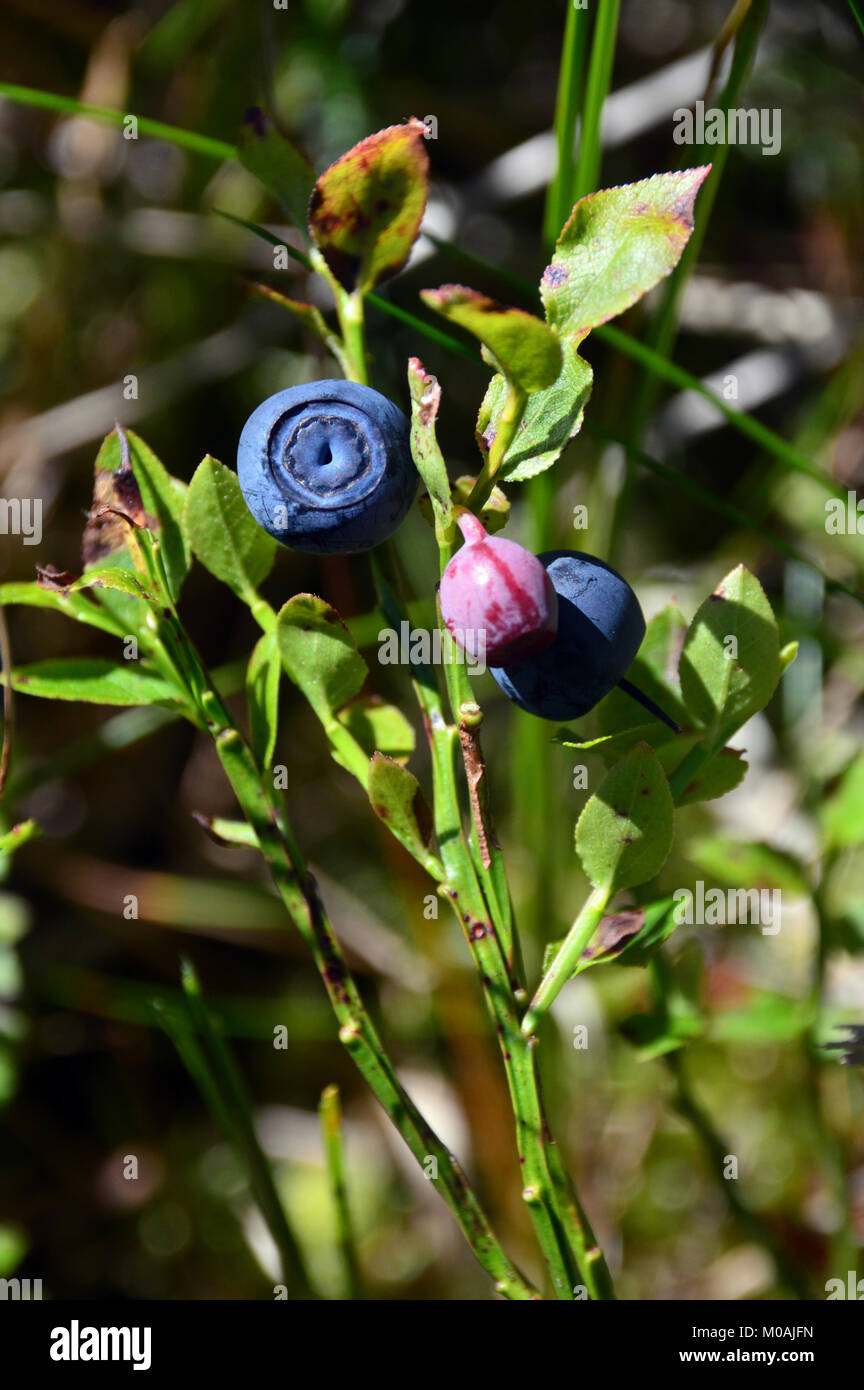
[365, 210]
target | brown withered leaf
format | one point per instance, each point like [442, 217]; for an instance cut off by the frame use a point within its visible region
[116, 506]
[616, 930]
[54, 580]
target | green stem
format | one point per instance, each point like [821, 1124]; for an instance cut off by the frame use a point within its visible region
[262, 809]
[687, 769]
[563, 1232]
[330, 1112]
[351, 321]
[511, 416]
[464, 892]
[567, 958]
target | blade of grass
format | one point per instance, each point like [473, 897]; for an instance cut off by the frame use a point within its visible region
[559, 195]
[717, 504]
[330, 1112]
[748, 425]
[174, 135]
[857, 14]
[599, 76]
[664, 327]
[211, 1065]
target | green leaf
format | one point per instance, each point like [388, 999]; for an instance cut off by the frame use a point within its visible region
[842, 814]
[379, 727]
[284, 171]
[495, 511]
[319, 655]
[238, 834]
[610, 746]
[425, 400]
[223, 533]
[365, 210]
[730, 664]
[550, 420]
[119, 580]
[161, 498]
[96, 680]
[721, 774]
[770, 1018]
[654, 671]
[748, 864]
[19, 835]
[262, 695]
[32, 595]
[522, 347]
[615, 246]
[625, 830]
[396, 797]
[654, 1036]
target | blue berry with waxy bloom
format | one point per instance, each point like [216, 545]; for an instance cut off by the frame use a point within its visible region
[600, 629]
[497, 600]
[326, 468]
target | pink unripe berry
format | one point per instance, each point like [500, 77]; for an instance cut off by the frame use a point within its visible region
[497, 588]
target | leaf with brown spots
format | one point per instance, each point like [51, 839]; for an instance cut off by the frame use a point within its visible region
[396, 798]
[365, 210]
[425, 400]
[131, 488]
[616, 245]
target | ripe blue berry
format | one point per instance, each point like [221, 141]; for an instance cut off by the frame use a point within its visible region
[600, 628]
[497, 588]
[326, 468]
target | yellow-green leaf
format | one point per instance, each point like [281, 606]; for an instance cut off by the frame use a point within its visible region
[522, 346]
[365, 210]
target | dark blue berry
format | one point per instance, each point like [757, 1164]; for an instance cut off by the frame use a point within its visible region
[600, 629]
[326, 468]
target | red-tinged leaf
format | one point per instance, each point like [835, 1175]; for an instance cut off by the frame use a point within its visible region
[523, 347]
[366, 209]
[615, 246]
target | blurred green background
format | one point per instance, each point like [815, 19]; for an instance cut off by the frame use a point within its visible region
[122, 296]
